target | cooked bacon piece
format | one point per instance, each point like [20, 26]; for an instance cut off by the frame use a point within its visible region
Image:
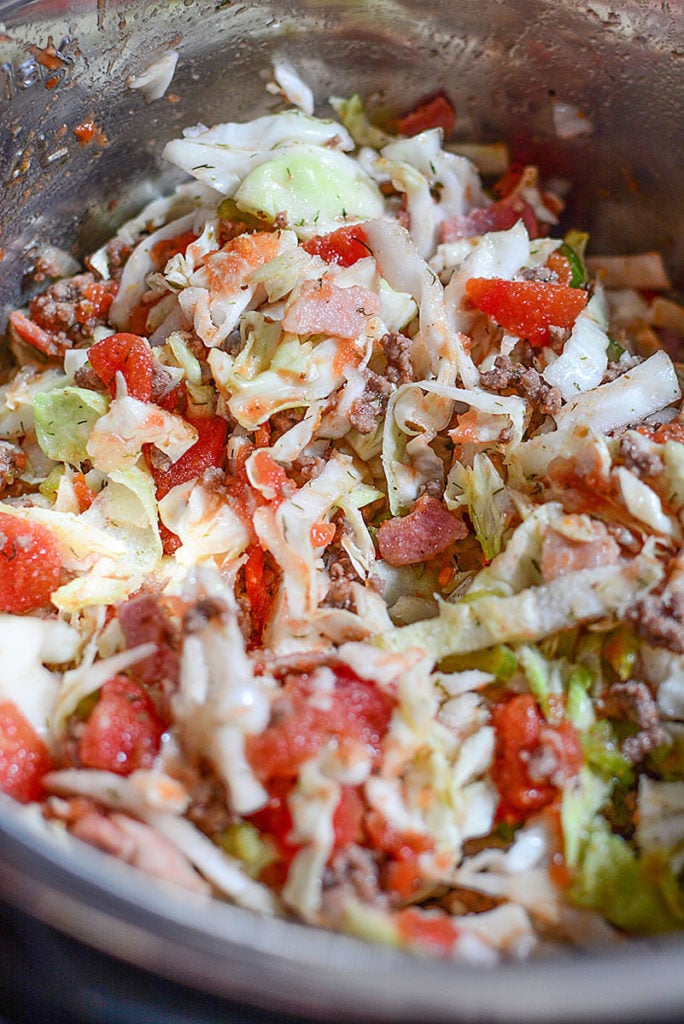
[511, 207]
[323, 308]
[497, 217]
[428, 529]
[138, 844]
[145, 620]
[562, 554]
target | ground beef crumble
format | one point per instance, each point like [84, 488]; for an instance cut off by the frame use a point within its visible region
[340, 570]
[307, 467]
[351, 875]
[638, 458]
[659, 619]
[85, 377]
[208, 808]
[65, 311]
[340, 592]
[616, 368]
[116, 252]
[633, 701]
[366, 410]
[397, 349]
[12, 463]
[507, 376]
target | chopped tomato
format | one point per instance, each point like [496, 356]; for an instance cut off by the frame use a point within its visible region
[262, 435]
[274, 821]
[509, 181]
[163, 251]
[665, 432]
[561, 266]
[84, 495]
[527, 308]
[401, 874]
[521, 731]
[384, 837]
[137, 319]
[228, 270]
[24, 758]
[175, 400]
[129, 355]
[245, 498]
[170, 540]
[270, 477]
[30, 565]
[322, 534]
[434, 112]
[260, 589]
[34, 335]
[97, 298]
[432, 930]
[357, 712]
[207, 451]
[345, 246]
[124, 731]
[347, 819]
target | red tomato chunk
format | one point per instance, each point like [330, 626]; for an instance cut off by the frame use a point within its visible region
[345, 246]
[24, 758]
[358, 712]
[124, 731]
[435, 112]
[30, 565]
[527, 308]
[207, 451]
[348, 818]
[129, 355]
[431, 930]
[522, 732]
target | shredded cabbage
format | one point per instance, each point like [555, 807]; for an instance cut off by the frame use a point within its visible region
[367, 602]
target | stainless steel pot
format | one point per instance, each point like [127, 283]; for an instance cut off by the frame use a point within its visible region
[506, 66]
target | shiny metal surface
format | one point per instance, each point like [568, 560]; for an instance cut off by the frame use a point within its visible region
[230, 952]
[504, 64]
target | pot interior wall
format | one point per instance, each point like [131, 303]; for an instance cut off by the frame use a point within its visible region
[505, 66]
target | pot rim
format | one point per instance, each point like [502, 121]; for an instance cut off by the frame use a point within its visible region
[223, 950]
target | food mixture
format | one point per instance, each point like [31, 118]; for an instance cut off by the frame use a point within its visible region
[341, 527]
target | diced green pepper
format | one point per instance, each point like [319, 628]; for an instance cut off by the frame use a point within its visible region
[621, 651]
[243, 841]
[573, 248]
[501, 661]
